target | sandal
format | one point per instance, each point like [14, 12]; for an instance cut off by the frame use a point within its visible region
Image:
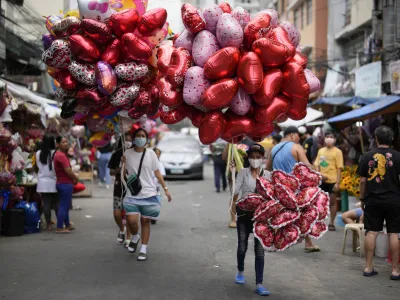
[262, 291]
[63, 231]
[393, 277]
[312, 249]
[331, 228]
[232, 225]
[370, 274]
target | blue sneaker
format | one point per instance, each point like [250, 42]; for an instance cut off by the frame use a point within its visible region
[262, 291]
[240, 279]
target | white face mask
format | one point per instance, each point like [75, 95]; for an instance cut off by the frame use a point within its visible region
[255, 163]
[128, 145]
[329, 141]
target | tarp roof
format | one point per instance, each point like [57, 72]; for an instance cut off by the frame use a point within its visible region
[345, 101]
[312, 115]
[384, 105]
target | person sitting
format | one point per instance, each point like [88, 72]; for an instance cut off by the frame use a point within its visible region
[354, 215]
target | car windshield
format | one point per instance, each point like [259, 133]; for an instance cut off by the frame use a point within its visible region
[179, 145]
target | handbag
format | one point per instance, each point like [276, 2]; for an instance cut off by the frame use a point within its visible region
[133, 182]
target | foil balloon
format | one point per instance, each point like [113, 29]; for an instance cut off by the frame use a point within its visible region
[164, 54]
[139, 5]
[260, 131]
[100, 139]
[47, 40]
[154, 108]
[250, 73]
[236, 126]
[222, 64]
[211, 15]
[272, 53]
[192, 18]
[169, 96]
[257, 27]
[241, 103]
[84, 49]
[286, 237]
[90, 97]
[273, 14]
[112, 53]
[152, 21]
[157, 37]
[80, 118]
[181, 61]
[83, 73]
[293, 33]
[131, 71]
[185, 40]
[58, 55]
[63, 94]
[173, 115]
[69, 105]
[229, 31]
[72, 13]
[265, 235]
[282, 118]
[278, 34]
[312, 81]
[97, 31]
[135, 48]
[271, 85]
[294, 82]
[125, 94]
[205, 44]
[226, 8]
[125, 124]
[297, 109]
[301, 59]
[124, 22]
[241, 15]
[64, 115]
[212, 126]
[66, 27]
[267, 114]
[106, 78]
[98, 10]
[50, 21]
[96, 123]
[220, 94]
[107, 111]
[196, 116]
[65, 79]
[195, 85]
[78, 131]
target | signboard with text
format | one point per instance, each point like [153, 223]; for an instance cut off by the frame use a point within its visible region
[369, 80]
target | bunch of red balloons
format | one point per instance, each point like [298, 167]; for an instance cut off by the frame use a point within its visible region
[104, 63]
[233, 75]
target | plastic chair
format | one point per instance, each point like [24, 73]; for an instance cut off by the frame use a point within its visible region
[358, 231]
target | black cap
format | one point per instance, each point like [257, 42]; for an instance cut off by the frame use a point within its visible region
[290, 130]
[256, 148]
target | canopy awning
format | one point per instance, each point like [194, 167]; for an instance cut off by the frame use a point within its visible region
[312, 115]
[345, 101]
[387, 104]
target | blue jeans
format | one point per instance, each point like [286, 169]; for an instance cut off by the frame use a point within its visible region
[219, 171]
[65, 195]
[104, 171]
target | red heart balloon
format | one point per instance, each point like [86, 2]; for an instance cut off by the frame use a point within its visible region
[265, 235]
[260, 131]
[318, 230]
[112, 53]
[287, 180]
[250, 202]
[84, 49]
[141, 105]
[280, 35]
[222, 63]
[181, 61]
[196, 116]
[261, 24]
[212, 125]
[154, 108]
[169, 96]
[307, 176]
[226, 8]
[219, 94]
[297, 109]
[90, 97]
[267, 210]
[83, 73]
[301, 59]
[164, 54]
[236, 125]
[192, 18]
[125, 94]
[173, 115]
[307, 219]
[124, 22]
[135, 48]
[265, 188]
[152, 21]
[250, 73]
[282, 118]
[294, 82]
[65, 79]
[272, 53]
[97, 31]
[286, 237]
[131, 71]
[321, 202]
[271, 85]
[58, 55]
[106, 110]
[66, 27]
[285, 196]
[267, 114]
[306, 196]
[284, 217]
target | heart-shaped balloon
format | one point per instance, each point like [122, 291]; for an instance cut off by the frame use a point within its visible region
[112, 53]
[212, 126]
[185, 40]
[63, 94]
[267, 210]
[273, 14]
[312, 81]
[271, 85]
[321, 202]
[205, 44]
[280, 35]
[286, 237]
[241, 15]
[300, 58]
[131, 71]
[284, 217]
[106, 110]
[267, 114]
[69, 105]
[97, 31]
[90, 97]
[285, 196]
[181, 61]
[84, 49]
[99, 10]
[241, 103]
[282, 118]
[287, 180]
[47, 40]
[195, 85]
[294, 82]
[264, 234]
[141, 105]
[256, 28]
[66, 27]
[96, 123]
[306, 196]
[236, 126]
[164, 54]
[222, 63]
[220, 94]
[318, 230]
[297, 109]
[226, 8]
[192, 18]
[272, 53]
[64, 77]
[100, 139]
[158, 37]
[211, 15]
[196, 116]
[125, 94]
[307, 219]
[250, 73]
[307, 176]
[169, 96]
[265, 188]
[173, 115]
[106, 78]
[152, 21]
[50, 21]
[58, 55]
[292, 32]
[124, 22]
[135, 48]
[83, 73]
[250, 202]
[229, 31]
[260, 131]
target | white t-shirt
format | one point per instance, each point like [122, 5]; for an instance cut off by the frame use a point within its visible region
[149, 166]
[46, 177]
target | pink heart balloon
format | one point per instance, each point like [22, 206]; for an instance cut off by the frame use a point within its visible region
[241, 15]
[293, 33]
[195, 85]
[211, 15]
[312, 81]
[229, 31]
[205, 44]
[185, 40]
[241, 103]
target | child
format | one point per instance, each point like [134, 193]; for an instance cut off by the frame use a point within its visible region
[162, 170]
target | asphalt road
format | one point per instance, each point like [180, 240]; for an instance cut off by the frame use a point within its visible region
[192, 255]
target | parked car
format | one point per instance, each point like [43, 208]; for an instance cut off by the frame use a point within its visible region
[181, 156]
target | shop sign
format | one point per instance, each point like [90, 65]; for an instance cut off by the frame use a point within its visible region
[369, 80]
[394, 70]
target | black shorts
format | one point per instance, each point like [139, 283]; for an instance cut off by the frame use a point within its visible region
[375, 215]
[327, 187]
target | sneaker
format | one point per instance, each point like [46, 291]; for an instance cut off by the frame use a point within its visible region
[121, 236]
[142, 257]
[133, 246]
[127, 242]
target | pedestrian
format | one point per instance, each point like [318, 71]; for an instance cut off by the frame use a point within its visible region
[245, 185]
[163, 173]
[380, 197]
[276, 139]
[284, 157]
[329, 163]
[46, 184]
[104, 171]
[66, 179]
[141, 201]
[119, 192]
[310, 144]
[353, 216]
[217, 149]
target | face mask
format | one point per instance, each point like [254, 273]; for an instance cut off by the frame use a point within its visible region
[140, 142]
[255, 163]
[329, 141]
[128, 145]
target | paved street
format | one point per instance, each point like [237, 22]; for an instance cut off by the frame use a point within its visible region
[192, 255]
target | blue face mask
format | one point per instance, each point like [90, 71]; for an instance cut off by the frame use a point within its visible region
[140, 142]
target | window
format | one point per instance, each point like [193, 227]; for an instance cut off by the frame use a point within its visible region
[297, 18]
[309, 11]
[347, 16]
[302, 16]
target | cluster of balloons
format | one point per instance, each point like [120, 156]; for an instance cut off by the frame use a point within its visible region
[103, 60]
[233, 75]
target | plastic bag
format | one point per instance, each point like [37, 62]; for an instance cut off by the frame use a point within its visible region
[32, 216]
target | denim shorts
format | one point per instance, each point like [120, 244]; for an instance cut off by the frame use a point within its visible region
[146, 211]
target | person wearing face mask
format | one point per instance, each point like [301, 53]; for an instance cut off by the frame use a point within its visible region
[284, 157]
[329, 163]
[114, 165]
[144, 205]
[245, 185]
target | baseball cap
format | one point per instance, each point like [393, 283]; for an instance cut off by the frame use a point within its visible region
[302, 130]
[290, 130]
[256, 148]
